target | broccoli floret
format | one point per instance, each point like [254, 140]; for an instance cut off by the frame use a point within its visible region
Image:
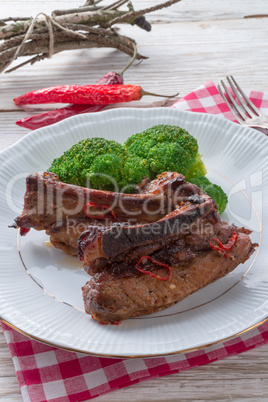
[140, 144]
[197, 169]
[106, 172]
[213, 190]
[168, 156]
[165, 147]
[108, 165]
[74, 165]
[134, 170]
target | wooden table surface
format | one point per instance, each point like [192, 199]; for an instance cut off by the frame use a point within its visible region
[191, 42]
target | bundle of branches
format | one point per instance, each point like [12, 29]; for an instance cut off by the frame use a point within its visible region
[86, 27]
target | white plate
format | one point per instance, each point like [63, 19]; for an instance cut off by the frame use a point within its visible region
[40, 287]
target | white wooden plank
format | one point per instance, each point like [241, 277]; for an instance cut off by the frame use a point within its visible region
[185, 10]
[181, 57]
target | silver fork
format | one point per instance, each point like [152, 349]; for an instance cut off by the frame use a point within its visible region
[247, 114]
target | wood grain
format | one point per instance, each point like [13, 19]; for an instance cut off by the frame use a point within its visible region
[186, 10]
[190, 43]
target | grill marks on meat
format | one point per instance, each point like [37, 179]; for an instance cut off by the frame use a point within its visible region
[172, 252]
[111, 299]
[48, 201]
[120, 241]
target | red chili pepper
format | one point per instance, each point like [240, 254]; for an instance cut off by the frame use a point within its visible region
[149, 272]
[101, 216]
[86, 95]
[54, 116]
[224, 247]
[24, 231]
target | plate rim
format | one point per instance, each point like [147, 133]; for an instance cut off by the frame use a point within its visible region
[142, 356]
[36, 132]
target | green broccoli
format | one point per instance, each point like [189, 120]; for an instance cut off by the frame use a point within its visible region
[108, 165]
[105, 173]
[134, 170]
[74, 165]
[167, 147]
[197, 169]
[213, 190]
[168, 156]
[140, 144]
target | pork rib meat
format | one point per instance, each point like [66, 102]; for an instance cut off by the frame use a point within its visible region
[181, 240]
[59, 208]
[111, 299]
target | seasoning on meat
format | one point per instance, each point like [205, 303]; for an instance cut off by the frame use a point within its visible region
[180, 242]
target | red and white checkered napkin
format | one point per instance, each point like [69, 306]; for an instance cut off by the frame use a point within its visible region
[50, 374]
[207, 99]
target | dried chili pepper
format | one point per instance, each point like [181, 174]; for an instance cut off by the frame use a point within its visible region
[54, 116]
[223, 248]
[99, 216]
[161, 264]
[86, 95]
[24, 231]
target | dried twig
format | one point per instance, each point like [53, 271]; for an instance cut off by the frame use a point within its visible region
[131, 16]
[85, 27]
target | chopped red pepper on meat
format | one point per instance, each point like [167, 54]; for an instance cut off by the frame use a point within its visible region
[223, 248]
[161, 264]
[97, 215]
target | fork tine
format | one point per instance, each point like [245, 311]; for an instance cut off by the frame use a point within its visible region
[233, 102]
[229, 105]
[241, 100]
[253, 107]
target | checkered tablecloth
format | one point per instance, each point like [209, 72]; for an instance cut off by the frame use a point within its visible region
[50, 374]
[207, 99]
[46, 373]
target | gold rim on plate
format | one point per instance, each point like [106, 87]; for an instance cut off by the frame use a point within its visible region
[131, 356]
